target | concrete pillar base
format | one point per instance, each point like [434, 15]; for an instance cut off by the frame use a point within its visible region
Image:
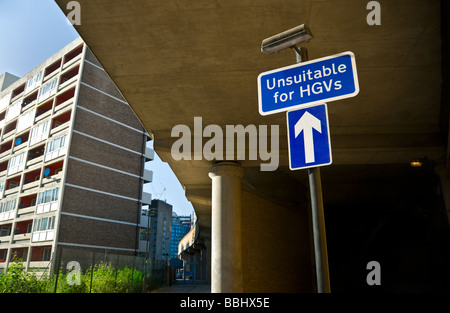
[226, 233]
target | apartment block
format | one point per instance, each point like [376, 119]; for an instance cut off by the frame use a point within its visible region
[181, 225]
[72, 156]
[160, 229]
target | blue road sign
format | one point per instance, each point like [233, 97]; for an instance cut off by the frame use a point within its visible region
[309, 137]
[313, 82]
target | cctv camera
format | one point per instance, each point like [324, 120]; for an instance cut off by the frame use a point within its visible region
[286, 39]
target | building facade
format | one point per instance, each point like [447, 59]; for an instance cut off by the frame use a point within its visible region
[72, 155]
[181, 225]
[160, 233]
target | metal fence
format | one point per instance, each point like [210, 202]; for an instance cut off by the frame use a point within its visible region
[81, 270]
[90, 270]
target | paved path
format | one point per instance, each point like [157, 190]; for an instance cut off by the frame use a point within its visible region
[184, 287]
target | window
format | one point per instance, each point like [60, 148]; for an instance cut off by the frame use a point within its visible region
[39, 132]
[14, 184]
[44, 223]
[13, 111]
[7, 206]
[16, 163]
[43, 229]
[5, 231]
[48, 89]
[25, 120]
[4, 102]
[48, 196]
[47, 254]
[47, 201]
[7, 210]
[56, 144]
[33, 82]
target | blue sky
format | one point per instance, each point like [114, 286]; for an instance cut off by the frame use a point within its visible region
[31, 31]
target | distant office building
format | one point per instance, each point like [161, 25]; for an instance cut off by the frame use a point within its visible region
[181, 225]
[72, 155]
[160, 232]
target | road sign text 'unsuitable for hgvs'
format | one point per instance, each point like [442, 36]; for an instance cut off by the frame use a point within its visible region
[326, 79]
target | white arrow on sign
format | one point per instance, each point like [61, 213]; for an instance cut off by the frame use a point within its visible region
[306, 124]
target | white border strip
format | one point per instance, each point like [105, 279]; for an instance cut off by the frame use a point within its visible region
[103, 166]
[102, 192]
[92, 246]
[93, 64]
[110, 119]
[98, 218]
[107, 142]
[106, 94]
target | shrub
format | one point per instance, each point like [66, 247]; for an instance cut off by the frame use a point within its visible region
[105, 279]
[17, 280]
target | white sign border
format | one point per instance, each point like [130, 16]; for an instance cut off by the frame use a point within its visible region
[329, 137]
[304, 105]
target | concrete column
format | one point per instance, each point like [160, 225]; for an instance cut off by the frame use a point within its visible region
[226, 234]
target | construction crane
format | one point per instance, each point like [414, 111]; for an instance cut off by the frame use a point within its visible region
[159, 195]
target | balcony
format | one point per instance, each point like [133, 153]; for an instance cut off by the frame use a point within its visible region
[55, 148]
[68, 77]
[5, 234]
[52, 70]
[39, 132]
[35, 156]
[16, 163]
[3, 168]
[144, 221]
[47, 207]
[9, 130]
[29, 101]
[31, 179]
[13, 111]
[44, 110]
[149, 154]
[3, 254]
[146, 198]
[22, 233]
[12, 185]
[148, 176]
[53, 172]
[60, 122]
[27, 205]
[65, 99]
[40, 256]
[9, 215]
[5, 149]
[21, 253]
[5, 240]
[44, 235]
[73, 56]
[2, 119]
[18, 92]
[21, 141]
[25, 212]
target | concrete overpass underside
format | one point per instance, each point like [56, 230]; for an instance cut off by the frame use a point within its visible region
[175, 60]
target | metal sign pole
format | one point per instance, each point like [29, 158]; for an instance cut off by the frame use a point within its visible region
[318, 216]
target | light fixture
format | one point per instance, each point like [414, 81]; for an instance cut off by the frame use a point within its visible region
[286, 39]
[416, 162]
